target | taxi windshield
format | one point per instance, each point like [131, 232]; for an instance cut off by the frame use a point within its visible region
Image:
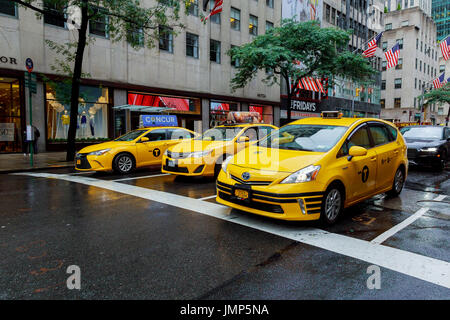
[304, 137]
[422, 132]
[130, 136]
[220, 134]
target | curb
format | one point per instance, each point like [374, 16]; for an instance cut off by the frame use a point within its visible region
[56, 166]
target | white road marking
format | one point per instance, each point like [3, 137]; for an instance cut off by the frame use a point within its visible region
[440, 198]
[136, 178]
[207, 198]
[415, 265]
[389, 233]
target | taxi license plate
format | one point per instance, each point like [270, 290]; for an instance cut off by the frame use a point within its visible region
[241, 194]
[171, 163]
[78, 161]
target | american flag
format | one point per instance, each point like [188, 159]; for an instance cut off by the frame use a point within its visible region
[392, 56]
[218, 5]
[311, 84]
[372, 46]
[445, 48]
[440, 81]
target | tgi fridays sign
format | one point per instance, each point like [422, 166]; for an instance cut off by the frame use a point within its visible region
[6, 131]
[300, 108]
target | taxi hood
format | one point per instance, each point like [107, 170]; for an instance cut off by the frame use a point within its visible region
[106, 145]
[275, 160]
[198, 145]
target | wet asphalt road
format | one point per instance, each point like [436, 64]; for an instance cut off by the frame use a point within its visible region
[130, 247]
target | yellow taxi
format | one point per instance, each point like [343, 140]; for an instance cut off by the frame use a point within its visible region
[204, 155]
[138, 148]
[313, 168]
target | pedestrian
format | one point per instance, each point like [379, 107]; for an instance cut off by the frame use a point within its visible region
[25, 143]
[37, 134]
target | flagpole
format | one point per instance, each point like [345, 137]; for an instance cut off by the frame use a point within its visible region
[365, 43]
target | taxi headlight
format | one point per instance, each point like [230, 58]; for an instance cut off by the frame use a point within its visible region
[199, 154]
[225, 163]
[303, 175]
[98, 153]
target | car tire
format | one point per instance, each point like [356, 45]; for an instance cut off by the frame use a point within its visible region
[440, 165]
[333, 205]
[124, 163]
[397, 185]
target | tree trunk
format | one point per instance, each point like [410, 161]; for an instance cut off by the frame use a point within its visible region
[76, 78]
[289, 101]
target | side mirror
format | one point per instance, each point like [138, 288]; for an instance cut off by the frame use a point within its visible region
[243, 139]
[144, 139]
[356, 151]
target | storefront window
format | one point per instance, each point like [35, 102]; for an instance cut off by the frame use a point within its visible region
[219, 112]
[10, 116]
[266, 112]
[92, 121]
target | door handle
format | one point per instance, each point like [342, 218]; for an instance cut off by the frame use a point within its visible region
[373, 159]
[396, 152]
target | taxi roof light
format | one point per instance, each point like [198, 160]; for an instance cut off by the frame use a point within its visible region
[332, 114]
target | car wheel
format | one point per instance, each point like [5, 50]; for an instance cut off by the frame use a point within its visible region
[333, 205]
[397, 185]
[124, 163]
[440, 165]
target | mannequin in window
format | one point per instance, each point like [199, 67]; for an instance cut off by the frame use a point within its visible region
[65, 119]
[83, 123]
[92, 124]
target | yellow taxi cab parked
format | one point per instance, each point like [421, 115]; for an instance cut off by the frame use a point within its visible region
[204, 155]
[313, 168]
[138, 148]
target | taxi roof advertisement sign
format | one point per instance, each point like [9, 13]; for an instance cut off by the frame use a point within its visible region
[158, 120]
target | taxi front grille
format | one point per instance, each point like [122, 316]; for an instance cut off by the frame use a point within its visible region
[255, 183]
[273, 208]
[83, 161]
[177, 155]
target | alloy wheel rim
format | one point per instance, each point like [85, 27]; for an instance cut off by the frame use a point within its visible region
[333, 204]
[398, 181]
[125, 164]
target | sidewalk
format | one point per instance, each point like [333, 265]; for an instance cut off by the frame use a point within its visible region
[17, 162]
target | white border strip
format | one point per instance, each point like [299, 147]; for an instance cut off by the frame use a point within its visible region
[143, 177]
[389, 233]
[207, 198]
[421, 267]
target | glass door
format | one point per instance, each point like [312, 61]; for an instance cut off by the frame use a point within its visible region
[10, 116]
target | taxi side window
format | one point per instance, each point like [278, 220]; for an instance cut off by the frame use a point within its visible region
[393, 131]
[156, 135]
[359, 138]
[177, 134]
[251, 134]
[264, 131]
[380, 135]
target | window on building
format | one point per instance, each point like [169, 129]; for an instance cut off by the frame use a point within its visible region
[234, 62]
[8, 7]
[420, 65]
[193, 8]
[253, 25]
[421, 46]
[442, 68]
[98, 25]
[388, 26]
[215, 18]
[384, 46]
[235, 19]
[269, 3]
[191, 45]
[383, 84]
[383, 66]
[397, 102]
[54, 14]
[214, 51]
[417, 44]
[269, 25]
[400, 43]
[165, 39]
[383, 103]
[135, 36]
[398, 83]
[399, 65]
[416, 63]
[415, 83]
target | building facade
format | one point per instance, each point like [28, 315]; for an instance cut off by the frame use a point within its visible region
[424, 5]
[441, 14]
[189, 72]
[402, 85]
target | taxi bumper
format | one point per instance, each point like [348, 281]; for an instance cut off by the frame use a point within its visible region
[264, 201]
[84, 162]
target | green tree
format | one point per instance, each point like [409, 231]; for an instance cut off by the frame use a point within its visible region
[322, 52]
[125, 19]
[439, 96]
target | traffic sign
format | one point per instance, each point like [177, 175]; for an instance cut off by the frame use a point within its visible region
[29, 64]
[30, 81]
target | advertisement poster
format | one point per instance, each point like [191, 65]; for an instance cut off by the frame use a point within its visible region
[302, 10]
